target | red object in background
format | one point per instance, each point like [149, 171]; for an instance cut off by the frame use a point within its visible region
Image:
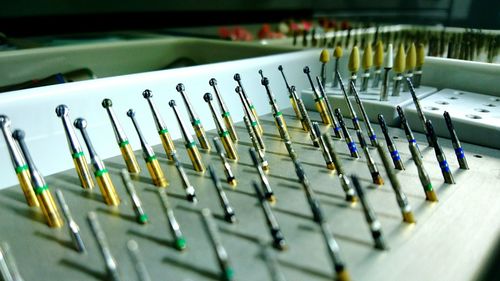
[344, 25]
[265, 32]
[236, 34]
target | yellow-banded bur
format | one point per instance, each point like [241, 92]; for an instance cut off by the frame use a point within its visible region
[195, 120]
[228, 120]
[224, 135]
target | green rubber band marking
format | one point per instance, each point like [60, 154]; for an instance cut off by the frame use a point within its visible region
[196, 122]
[251, 106]
[318, 99]
[124, 143]
[162, 131]
[39, 190]
[428, 187]
[20, 169]
[100, 173]
[77, 155]
[278, 114]
[224, 134]
[225, 114]
[180, 243]
[151, 158]
[191, 145]
[254, 123]
[143, 219]
[229, 273]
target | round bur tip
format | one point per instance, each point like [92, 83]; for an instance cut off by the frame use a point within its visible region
[4, 120]
[367, 57]
[18, 134]
[420, 54]
[207, 97]
[324, 57]
[237, 77]
[411, 57]
[180, 87]
[131, 113]
[212, 82]
[237, 89]
[107, 103]
[280, 67]
[378, 59]
[338, 52]
[260, 72]
[171, 103]
[80, 123]
[399, 64]
[292, 88]
[62, 110]
[264, 81]
[306, 69]
[353, 64]
[147, 94]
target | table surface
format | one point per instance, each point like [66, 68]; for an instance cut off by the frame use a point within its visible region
[450, 241]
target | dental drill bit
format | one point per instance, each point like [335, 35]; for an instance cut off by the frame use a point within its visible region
[121, 138]
[224, 135]
[73, 227]
[248, 112]
[255, 144]
[352, 112]
[137, 261]
[388, 63]
[324, 58]
[407, 129]
[100, 237]
[353, 66]
[268, 192]
[369, 128]
[188, 187]
[378, 60]
[152, 163]
[231, 179]
[271, 263]
[371, 218]
[165, 137]
[195, 120]
[318, 100]
[292, 97]
[227, 272]
[393, 150]
[348, 140]
[420, 62]
[274, 106]
[411, 63]
[79, 160]
[399, 68]
[49, 208]
[5, 273]
[101, 174]
[440, 156]
[366, 63]
[459, 152]
[179, 240]
[334, 253]
[279, 241]
[313, 202]
[249, 105]
[20, 166]
[372, 167]
[302, 119]
[229, 215]
[192, 149]
[335, 125]
[140, 215]
[350, 194]
[9, 266]
[324, 150]
[420, 113]
[337, 54]
[228, 120]
[308, 122]
[401, 197]
[430, 194]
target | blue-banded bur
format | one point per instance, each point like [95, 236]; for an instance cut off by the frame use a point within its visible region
[459, 152]
[440, 156]
[347, 137]
[407, 129]
[396, 159]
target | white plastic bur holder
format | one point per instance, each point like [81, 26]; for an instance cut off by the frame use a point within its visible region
[371, 102]
[476, 117]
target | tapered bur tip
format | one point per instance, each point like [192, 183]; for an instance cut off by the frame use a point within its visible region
[107, 103]
[388, 60]
[378, 58]
[399, 60]
[411, 57]
[353, 64]
[420, 54]
[324, 57]
[338, 52]
[367, 61]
